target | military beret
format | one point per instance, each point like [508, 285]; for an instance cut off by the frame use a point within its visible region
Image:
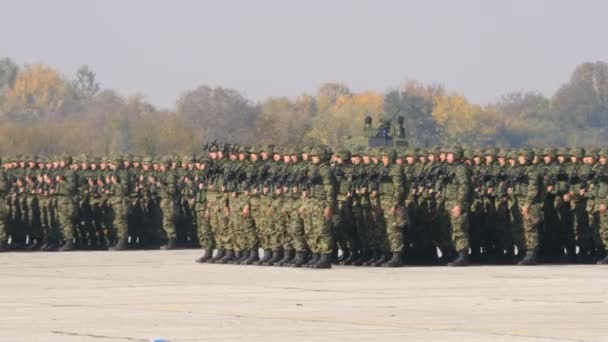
[146, 160]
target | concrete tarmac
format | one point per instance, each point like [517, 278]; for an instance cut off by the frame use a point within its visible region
[141, 295]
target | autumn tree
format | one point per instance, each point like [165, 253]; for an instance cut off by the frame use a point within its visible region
[37, 91]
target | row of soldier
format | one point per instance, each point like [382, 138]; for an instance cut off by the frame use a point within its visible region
[313, 208]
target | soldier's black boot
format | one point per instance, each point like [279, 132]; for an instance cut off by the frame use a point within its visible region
[171, 244]
[237, 256]
[267, 254]
[350, 258]
[323, 262]
[220, 254]
[244, 256]
[276, 256]
[363, 255]
[372, 258]
[226, 258]
[67, 246]
[343, 256]
[287, 257]
[251, 258]
[313, 260]
[3, 246]
[384, 257]
[395, 261]
[45, 244]
[299, 259]
[603, 261]
[461, 260]
[529, 259]
[206, 256]
[121, 245]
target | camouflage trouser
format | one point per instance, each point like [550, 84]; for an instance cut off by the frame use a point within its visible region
[458, 226]
[278, 227]
[66, 213]
[285, 210]
[602, 227]
[205, 234]
[529, 225]
[168, 209]
[3, 220]
[395, 223]
[219, 220]
[120, 210]
[344, 226]
[238, 231]
[296, 228]
[249, 223]
[264, 221]
[316, 228]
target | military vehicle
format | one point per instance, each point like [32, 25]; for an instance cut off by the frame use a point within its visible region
[386, 134]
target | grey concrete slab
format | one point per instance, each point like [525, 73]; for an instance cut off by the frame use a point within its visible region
[139, 295]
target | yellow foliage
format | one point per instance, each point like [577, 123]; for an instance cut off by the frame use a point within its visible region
[459, 118]
[37, 87]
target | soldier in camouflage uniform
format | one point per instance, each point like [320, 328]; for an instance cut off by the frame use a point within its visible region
[318, 207]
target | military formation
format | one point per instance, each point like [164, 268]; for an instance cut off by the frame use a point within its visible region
[313, 207]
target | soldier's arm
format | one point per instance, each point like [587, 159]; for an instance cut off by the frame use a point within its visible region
[398, 178]
[329, 185]
[533, 189]
[463, 180]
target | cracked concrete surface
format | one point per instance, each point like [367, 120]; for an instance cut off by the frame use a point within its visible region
[136, 296]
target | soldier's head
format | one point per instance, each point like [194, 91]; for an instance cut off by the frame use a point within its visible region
[319, 155]
[276, 156]
[355, 157]
[410, 156]
[388, 156]
[342, 156]
[286, 155]
[548, 155]
[243, 154]
[603, 156]
[454, 155]
[525, 156]
[490, 155]
[254, 153]
[591, 156]
[477, 155]
[562, 155]
[576, 154]
[266, 152]
[294, 153]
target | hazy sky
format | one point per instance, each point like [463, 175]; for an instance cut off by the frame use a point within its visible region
[160, 49]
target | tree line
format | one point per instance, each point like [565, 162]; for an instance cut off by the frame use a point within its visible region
[44, 112]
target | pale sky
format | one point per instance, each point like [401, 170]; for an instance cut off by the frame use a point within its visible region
[263, 48]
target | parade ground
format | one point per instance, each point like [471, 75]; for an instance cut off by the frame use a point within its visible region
[142, 295]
